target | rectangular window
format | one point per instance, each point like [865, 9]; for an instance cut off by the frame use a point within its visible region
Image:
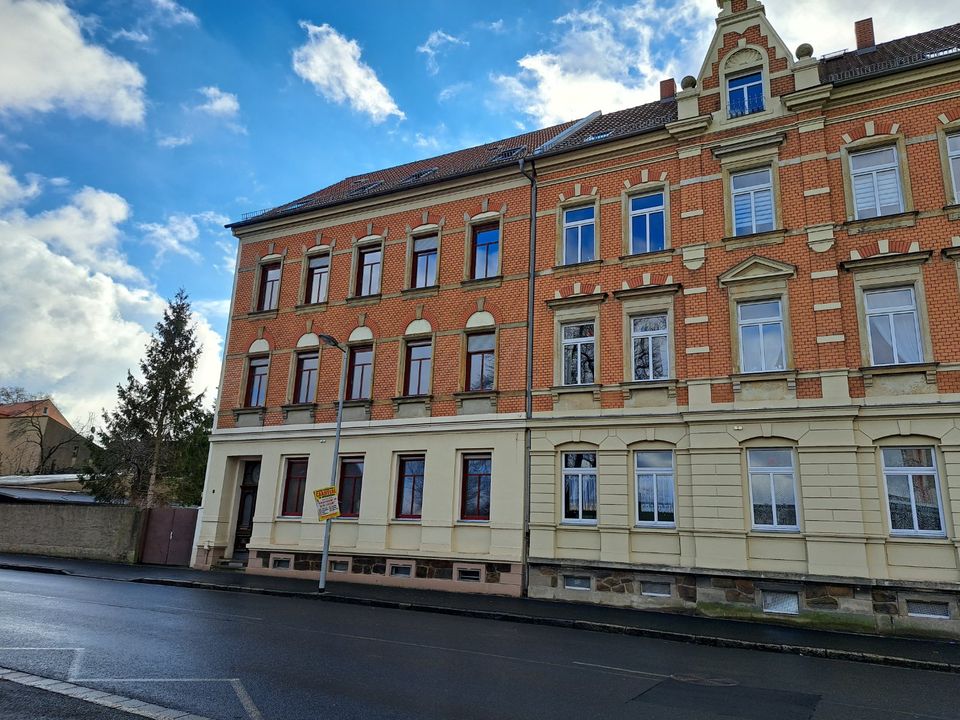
[486, 252]
[468, 575]
[647, 232]
[318, 279]
[339, 566]
[424, 262]
[761, 336]
[780, 603]
[257, 381]
[368, 271]
[651, 349]
[745, 94]
[892, 326]
[294, 485]
[578, 353]
[480, 355]
[773, 488]
[875, 178]
[913, 492]
[305, 388]
[360, 378]
[351, 481]
[752, 195]
[576, 582]
[410, 487]
[580, 487]
[419, 362]
[953, 157]
[578, 236]
[401, 571]
[928, 609]
[475, 495]
[655, 498]
[269, 287]
[655, 589]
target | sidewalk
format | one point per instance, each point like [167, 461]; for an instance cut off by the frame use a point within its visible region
[920, 654]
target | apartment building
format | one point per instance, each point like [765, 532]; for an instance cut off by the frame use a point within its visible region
[727, 380]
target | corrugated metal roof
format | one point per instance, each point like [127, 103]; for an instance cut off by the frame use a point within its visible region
[45, 495]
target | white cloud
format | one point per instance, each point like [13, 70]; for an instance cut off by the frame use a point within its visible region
[228, 257]
[426, 142]
[161, 13]
[331, 63]
[85, 328]
[168, 12]
[496, 26]
[433, 46]
[174, 141]
[179, 233]
[12, 192]
[47, 64]
[135, 36]
[219, 103]
[212, 308]
[451, 91]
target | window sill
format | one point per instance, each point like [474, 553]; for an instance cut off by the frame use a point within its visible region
[759, 529]
[591, 266]
[884, 222]
[354, 410]
[647, 258]
[662, 527]
[629, 388]
[418, 292]
[363, 299]
[262, 314]
[952, 211]
[412, 406]
[477, 283]
[248, 416]
[406, 520]
[346, 518]
[917, 536]
[578, 524]
[472, 523]
[558, 390]
[289, 518]
[788, 376]
[770, 237]
[298, 412]
[311, 307]
[929, 371]
[471, 402]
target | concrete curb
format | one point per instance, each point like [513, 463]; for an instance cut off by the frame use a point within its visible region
[632, 630]
[96, 697]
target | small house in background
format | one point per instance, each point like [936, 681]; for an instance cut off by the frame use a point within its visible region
[36, 438]
[64, 488]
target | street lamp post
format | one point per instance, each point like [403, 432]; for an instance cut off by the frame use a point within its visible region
[325, 559]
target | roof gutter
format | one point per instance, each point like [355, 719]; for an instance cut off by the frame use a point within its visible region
[528, 385]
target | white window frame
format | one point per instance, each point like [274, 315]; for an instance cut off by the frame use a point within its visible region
[889, 314]
[893, 167]
[743, 90]
[646, 213]
[953, 155]
[769, 472]
[910, 472]
[657, 473]
[752, 191]
[579, 224]
[649, 335]
[770, 321]
[578, 473]
[578, 343]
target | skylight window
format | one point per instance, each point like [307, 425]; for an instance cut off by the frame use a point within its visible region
[419, 175]
[509, 153]
[361, 189]
[599, 135]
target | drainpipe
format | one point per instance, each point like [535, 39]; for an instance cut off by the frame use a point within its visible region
[528, 395]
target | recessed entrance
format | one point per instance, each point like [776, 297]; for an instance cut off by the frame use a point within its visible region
[249, 480]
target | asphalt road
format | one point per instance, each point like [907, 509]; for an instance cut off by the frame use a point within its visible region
[248, 657]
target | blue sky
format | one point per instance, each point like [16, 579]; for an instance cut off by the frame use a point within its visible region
[132, 130]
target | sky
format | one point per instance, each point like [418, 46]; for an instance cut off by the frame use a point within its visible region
[132, 131]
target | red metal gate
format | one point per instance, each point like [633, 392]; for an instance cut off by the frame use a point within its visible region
[168, 539]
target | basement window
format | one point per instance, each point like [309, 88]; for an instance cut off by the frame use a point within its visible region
[576, 582]
[339, 566]
[655, 589]
[781, 603]
[401, 571]
[928, 609]
[468, 575]
[281, 563]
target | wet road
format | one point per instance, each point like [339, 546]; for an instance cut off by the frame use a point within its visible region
[247, 657]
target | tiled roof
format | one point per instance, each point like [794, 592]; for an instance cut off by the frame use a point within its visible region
[842, 68]
[926, 47]
[34, 408]
[622, 123]
[421, 172]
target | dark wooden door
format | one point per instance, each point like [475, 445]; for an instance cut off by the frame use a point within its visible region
[168, 539]
[249, 482]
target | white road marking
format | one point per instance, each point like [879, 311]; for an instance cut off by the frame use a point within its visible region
[252, 710]
[620, 669]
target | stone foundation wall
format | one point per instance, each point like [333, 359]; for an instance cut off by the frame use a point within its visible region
[854, 607]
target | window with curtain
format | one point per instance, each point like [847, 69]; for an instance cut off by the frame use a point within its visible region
[875, 178]
[655, 495]
[368, 270]
[294, 486]
[578, 347]
[761, 336]
[953, 157]
[892, 326]
[475, 490]
[580, 487]
[650, 336]
[351, 482]
[773, 488]
[752, 196]
[318, 278]
[410, 487]
[913, 493]
[480, 361]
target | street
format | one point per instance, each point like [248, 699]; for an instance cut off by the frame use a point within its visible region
[224, 655]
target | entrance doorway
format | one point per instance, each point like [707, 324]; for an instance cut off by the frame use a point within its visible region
[249, 480]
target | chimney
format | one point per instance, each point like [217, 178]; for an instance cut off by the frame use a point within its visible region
[864, 32]
[668, 88]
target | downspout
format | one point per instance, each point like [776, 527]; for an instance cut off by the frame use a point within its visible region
[528, 394]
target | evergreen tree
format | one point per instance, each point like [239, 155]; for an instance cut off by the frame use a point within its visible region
[152, 447]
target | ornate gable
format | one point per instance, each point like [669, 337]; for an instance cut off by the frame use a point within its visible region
[757, 268]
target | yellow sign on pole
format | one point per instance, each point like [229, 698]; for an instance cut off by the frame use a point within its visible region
[327, 505]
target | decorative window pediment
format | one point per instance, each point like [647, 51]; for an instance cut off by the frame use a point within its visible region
[758, 268]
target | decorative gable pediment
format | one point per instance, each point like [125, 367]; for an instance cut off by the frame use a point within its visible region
[757, 268]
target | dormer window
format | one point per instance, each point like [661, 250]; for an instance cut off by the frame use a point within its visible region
[745, 94]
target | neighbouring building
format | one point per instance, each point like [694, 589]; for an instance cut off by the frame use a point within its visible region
[35, 438]
[727, 381]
